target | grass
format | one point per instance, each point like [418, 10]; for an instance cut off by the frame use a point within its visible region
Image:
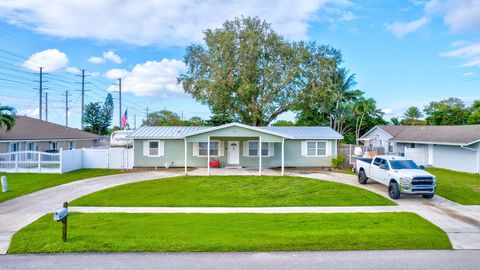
[459, 187]
[115, 232]
[233, 191]
[23, 183]
[345, 171]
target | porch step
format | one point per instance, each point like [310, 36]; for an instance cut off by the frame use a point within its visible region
[233, 166]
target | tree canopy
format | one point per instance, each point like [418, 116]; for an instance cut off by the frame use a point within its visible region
[97, 117]
[7, 117]
[451, 111]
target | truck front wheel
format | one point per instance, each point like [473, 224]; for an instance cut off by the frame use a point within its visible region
[393, 191]
[362, 177]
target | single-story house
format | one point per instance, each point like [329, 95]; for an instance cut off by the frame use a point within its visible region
[450, 147]
[30, 134]
[235, 145]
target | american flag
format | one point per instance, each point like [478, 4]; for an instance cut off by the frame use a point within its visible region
[124, 119]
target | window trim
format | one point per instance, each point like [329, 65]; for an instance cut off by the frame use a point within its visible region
[316, 148]
[71, 145]
[261, 148]
[159, 153]
[218, 148]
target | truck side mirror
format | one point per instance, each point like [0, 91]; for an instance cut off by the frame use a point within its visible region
[421, 167]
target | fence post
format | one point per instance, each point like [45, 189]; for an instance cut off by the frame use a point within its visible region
[60, 159]
[39, 161]
[16, 161]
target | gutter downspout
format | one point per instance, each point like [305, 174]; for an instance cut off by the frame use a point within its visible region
[478, 156]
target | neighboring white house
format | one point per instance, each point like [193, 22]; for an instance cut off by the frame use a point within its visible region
[450, 147]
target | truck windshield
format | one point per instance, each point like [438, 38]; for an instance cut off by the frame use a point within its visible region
[403, 164]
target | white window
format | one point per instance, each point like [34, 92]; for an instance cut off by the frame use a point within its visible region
[14, 147]
[53, 145]
[251, 149]
[30, 146]
[71, 145]
[153, 148]
[390, 147]
[316, 148]
[203, 148]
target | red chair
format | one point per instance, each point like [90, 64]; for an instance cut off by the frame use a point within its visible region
[214, 163]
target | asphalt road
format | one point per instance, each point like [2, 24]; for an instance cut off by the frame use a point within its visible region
[411, 259]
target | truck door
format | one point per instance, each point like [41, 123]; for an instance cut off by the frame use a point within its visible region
[383, 171]
[374, 168]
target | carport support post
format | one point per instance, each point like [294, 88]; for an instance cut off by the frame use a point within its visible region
[283, 156]
[208, 156]
[186, 159]
[259, 151]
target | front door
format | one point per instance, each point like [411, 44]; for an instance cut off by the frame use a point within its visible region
[233, 152]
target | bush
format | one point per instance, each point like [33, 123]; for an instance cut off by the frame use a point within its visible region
[337, 162]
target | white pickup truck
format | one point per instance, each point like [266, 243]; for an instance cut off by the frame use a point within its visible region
[401, 175]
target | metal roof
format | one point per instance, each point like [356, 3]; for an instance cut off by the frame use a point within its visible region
[306, 132]
[175, 132]
[163, 132]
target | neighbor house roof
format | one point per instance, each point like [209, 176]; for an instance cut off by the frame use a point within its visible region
[458, 135]
[27, 128]
[174, 132]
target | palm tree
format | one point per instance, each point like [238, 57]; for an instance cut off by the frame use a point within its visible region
[7, 117]
[363, 107]
[394, 121]
[342, 84]
[413, 113]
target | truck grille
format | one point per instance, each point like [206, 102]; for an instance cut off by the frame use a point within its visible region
[422, 181]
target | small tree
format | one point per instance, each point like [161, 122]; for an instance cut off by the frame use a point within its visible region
[7, 117]
[394, 121]
[163, 118]
[92, 118]
[283, 123]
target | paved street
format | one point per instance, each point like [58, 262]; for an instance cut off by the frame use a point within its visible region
[438, 260]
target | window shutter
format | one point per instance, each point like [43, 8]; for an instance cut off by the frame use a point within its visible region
[271, 149]
[161, 148]
[304, 148]
[328, 148]
[221, 148]
[245, 148]
[195, 149]
[145, 148]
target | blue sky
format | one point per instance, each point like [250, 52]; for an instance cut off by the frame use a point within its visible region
[403, 52]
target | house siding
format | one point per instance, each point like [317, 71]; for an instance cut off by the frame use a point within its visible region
[45, 145]
[174, 154]
[455, 158]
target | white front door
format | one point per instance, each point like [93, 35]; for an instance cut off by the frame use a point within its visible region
[233, 152]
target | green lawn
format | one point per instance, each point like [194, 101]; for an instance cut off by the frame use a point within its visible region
[459, 187]
[23, 183]
[234, 191]
[115, 232]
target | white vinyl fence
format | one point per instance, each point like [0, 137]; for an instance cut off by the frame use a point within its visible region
[66, 160]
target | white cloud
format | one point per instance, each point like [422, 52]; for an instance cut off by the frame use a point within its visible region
[96, 60]
[387, 111]
[400, 29]
[109, 55]
[469, 53]
[50, 60]
[459, 16]
[106, 56]
[72, 70]
[34, 113]
[152, 78]
[348, 17]
[158, 22]
[468, 74]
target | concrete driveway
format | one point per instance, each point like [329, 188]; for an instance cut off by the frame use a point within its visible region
[461, 223]
[21, 211]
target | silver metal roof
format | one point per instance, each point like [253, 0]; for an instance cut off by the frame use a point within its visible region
[306, 132]
[173, 132]
[163, 132]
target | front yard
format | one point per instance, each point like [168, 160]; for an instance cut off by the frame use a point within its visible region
[459, 187]
[230, 232]
[233, 191]
[23, 183]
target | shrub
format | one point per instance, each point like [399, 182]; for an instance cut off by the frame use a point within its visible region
[337, 162]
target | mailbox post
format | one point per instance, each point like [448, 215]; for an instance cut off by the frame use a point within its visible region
[4, 184]
[62, 215]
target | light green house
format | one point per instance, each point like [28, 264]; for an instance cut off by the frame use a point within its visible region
[234, 145]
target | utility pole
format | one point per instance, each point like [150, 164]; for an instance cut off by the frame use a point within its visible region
[119, 102]
[82, 90]
[135, 121]
[66, 108]
[40, 94]
[46, 107]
